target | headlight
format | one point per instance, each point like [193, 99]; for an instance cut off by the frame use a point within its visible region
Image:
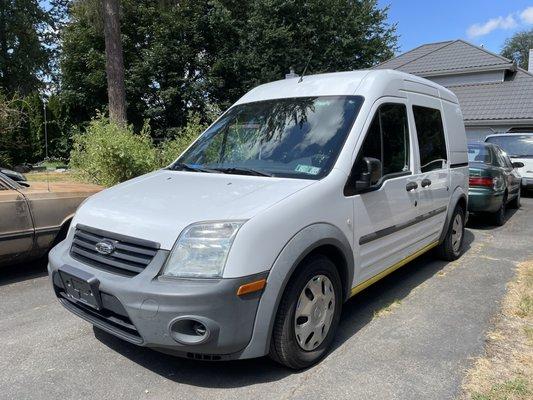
[201, 250]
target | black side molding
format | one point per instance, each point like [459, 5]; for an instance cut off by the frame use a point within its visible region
[459, 165]
[395, 228]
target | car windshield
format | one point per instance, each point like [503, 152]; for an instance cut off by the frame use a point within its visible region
[518, 146]
[295, 137]
[479, 153]
[9, 182]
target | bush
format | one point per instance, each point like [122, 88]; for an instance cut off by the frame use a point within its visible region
[107, 153]
[171, 149]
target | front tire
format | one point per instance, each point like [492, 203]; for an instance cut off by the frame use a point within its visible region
[308, 315]
[451, 247]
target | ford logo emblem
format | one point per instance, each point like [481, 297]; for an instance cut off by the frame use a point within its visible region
[105, 247]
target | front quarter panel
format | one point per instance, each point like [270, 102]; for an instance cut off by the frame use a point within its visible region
[299, 246]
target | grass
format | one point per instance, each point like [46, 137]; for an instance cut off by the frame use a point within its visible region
[387, 309]
[506, 371]
[51, 176]
[513, 389]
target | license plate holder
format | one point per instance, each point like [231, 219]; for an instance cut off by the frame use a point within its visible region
[81, 286]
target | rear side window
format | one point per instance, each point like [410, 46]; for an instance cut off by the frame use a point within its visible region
[387, 140]
[431, 142]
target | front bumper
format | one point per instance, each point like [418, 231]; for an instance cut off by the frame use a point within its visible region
[484, 200]
[142, 309]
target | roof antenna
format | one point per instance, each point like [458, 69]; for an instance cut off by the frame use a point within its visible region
[305, 68]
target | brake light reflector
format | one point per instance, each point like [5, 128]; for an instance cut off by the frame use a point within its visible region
[481, 181]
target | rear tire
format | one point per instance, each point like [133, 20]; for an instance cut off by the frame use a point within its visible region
[499, 216]
[296, 347]
[516, 202]
[451, 247]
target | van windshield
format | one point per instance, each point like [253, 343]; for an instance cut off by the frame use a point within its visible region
[295, 137]
[517, 146]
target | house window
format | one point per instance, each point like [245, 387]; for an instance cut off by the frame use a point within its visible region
[431, 141]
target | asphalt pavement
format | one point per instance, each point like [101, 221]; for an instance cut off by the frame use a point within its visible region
[410, 336]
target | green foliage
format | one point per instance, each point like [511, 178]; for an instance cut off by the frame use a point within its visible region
[517, 47]
[24, 45]
[257, 41]
[107, 154]
[171, 149]
[182, 56]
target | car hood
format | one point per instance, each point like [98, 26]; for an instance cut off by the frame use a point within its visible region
[527, 169]
[159, 205]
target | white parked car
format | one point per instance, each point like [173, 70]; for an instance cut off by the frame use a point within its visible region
[302, 194]
[519, 147]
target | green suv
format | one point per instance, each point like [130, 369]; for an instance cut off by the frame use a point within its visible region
[494, 181]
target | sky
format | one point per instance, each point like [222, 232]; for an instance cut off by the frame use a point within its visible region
[482, 22]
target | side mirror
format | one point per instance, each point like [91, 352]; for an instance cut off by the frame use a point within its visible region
[371, 176]
[518, 164]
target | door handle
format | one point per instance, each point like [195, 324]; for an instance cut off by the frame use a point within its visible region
[425, 182]
[411, 186]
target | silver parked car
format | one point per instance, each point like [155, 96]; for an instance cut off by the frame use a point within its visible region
[35, 216]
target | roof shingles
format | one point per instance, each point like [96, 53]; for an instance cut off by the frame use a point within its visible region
[508, 100]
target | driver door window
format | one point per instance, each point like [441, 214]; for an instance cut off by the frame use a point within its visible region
[387, 140]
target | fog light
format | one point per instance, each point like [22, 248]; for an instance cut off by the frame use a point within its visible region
[187, 330]
[199, 328]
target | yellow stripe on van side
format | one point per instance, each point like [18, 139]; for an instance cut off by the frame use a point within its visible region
[393, 268]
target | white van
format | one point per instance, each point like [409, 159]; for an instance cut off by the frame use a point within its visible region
[302, 194]
[519, 147]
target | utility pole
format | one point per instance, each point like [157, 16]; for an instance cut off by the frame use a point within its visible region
[116, 89]
[45, 131]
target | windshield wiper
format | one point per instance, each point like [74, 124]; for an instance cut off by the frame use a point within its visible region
[193, 168]
[242, 170]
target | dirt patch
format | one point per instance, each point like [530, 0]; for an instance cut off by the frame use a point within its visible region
[506, 370]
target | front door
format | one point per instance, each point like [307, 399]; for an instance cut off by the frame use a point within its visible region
[16, 229]
[384, 233]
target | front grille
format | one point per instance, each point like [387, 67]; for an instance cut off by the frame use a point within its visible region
[130, 257]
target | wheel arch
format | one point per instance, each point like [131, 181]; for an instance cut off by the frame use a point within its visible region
[320, 238]
[459, 197]
[63, 230]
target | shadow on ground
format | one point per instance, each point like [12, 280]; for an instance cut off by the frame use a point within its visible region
[22, 272]
[485, 222]
[357, 312]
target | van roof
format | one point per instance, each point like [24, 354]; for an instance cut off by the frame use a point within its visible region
[366, 83]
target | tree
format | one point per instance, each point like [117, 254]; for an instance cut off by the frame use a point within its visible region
[24, 51]
[114, 65]
[181, 57]
[517, 48]
[257, 41]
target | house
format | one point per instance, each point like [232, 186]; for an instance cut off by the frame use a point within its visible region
[495, 95]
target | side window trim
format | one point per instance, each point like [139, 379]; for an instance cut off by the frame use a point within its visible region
[349, 190]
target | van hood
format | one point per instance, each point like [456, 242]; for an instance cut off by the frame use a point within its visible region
[158, 206]
[527, 170]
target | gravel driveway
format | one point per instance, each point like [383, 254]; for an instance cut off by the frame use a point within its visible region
[410, 336]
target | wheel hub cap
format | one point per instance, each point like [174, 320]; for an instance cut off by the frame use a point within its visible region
[457, 233]
[314, 312]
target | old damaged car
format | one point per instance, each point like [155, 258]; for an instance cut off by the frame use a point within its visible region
[36, 216]
[494, 181]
